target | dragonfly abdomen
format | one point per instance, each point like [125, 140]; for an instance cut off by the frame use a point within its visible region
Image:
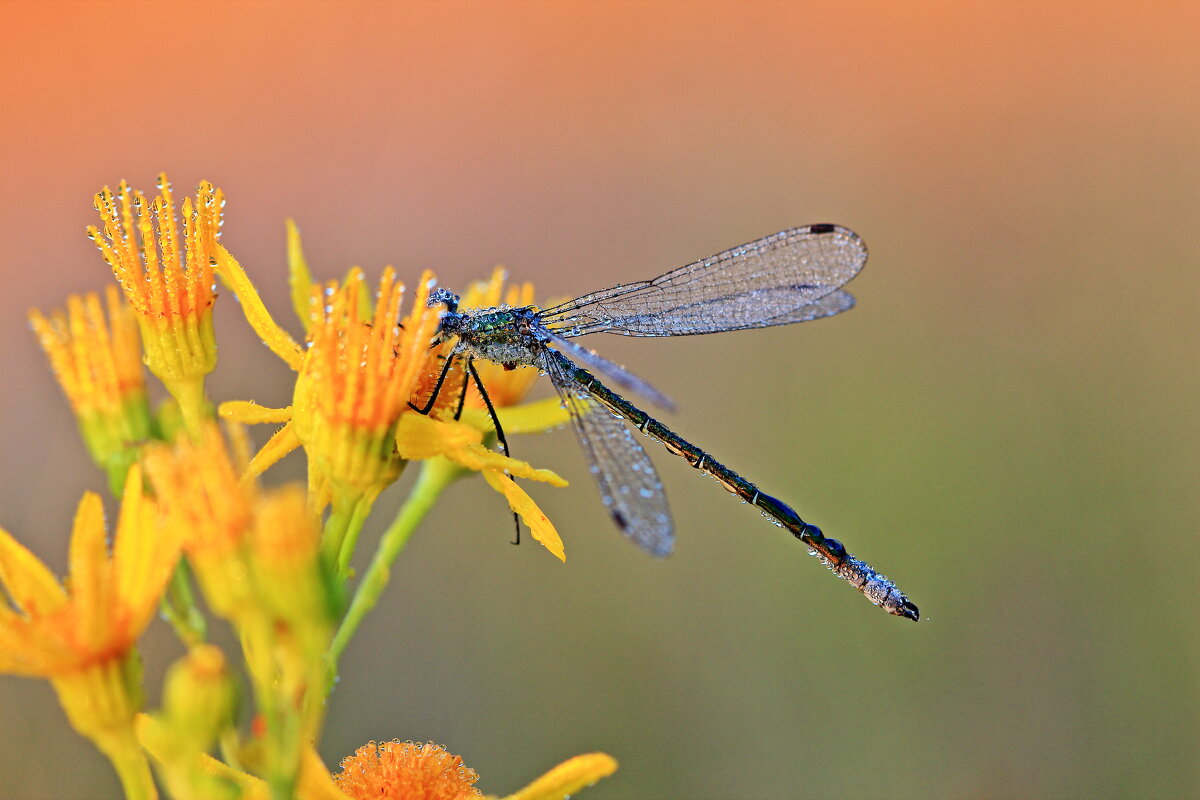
[874, 586]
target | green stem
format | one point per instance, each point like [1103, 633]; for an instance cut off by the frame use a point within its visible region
[345, 523]
[133, 770]
[436, 475]
[179, 607]
[340, 515]
[358, 517]
[193, 405]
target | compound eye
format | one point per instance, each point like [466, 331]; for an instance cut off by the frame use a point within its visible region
[443, 297]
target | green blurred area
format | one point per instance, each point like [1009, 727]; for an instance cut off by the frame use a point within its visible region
[1006, 425]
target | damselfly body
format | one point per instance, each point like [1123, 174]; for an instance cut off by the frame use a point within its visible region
[791, 276]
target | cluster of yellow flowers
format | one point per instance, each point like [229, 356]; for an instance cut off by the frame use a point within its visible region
[273, 562]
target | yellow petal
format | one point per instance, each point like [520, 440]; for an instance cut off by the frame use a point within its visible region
[274, 337]
[419, 437]
[300, 279]
[157, 739]
[316, 783]
[24, 650]
[477, 457]
[91, 572]
[144, 553]
[32, 587]
[568, 778]
[520, 502]
[535, 417]
[249, 413]
[282, 442]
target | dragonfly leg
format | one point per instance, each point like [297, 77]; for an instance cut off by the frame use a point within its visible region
[491, 409]
[437, 389]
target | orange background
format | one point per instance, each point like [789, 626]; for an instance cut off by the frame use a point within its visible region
[1006, 424]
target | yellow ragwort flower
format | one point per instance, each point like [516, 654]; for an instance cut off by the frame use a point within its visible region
[111, 598]
[98, 363]
[81, 634]
[168, 280]
[361, 367]
[407, 771]
[351, 412]
[202, 494]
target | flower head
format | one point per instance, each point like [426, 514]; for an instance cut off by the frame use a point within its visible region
[54, 630]
[405, 771]
[351, 407]
[167, 278]
[362, 365]
[98, 363]
[81, 635]
[408, 771]
[202, 494]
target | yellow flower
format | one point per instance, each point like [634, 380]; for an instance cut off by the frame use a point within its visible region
[168, 281]
[361, 367]
[258, 559]
[111, 597]
[256, 555]
[81, 636]
[405, 771]
[408, 771]
[350, 410]
[204, 500]
[98, 363]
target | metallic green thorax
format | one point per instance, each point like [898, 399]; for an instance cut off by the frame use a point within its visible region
[504, 336]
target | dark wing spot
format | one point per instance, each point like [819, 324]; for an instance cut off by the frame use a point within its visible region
[619, 518]
[821, 227]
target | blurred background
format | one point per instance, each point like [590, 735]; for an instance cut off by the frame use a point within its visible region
[1006, 425]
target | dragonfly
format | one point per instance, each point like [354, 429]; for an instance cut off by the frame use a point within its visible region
[795, 275]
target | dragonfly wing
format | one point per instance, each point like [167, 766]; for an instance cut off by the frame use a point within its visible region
[769, 281]
[629, 485]
[827, 306]
[614, 374]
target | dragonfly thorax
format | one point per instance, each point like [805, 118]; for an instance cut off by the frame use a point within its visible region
[506, 336]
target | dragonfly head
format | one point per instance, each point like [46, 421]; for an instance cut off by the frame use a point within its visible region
[452, 320]
[444, 297]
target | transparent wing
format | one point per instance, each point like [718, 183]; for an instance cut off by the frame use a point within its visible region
[629, 485]
[614, 374]
[775, 280]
